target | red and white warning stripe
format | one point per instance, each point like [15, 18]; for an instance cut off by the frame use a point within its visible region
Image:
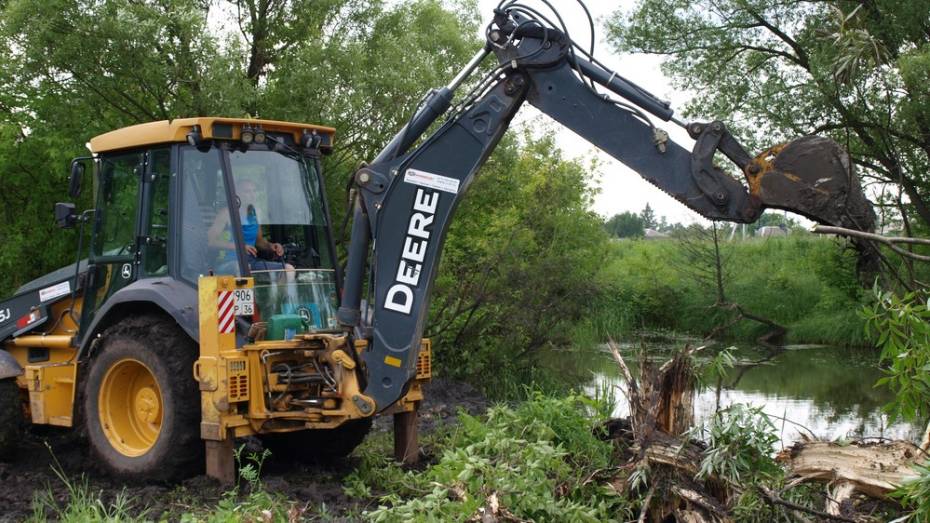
[226, 312]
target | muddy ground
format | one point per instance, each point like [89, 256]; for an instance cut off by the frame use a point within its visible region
[31, 472]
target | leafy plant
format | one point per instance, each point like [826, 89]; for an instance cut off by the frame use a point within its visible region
[717, 368]
[250, 467]
[739, 440]
[257, 505]
[915, 495]
[900, 326]
[531, 461]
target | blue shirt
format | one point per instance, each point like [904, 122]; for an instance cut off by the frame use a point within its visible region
[250, 227]
[249, 234]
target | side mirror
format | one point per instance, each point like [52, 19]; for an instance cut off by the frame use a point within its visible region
[77, 175]
[65, 215]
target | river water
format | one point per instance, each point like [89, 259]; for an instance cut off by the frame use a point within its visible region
[821, 390]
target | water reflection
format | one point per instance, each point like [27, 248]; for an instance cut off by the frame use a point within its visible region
[827, 391]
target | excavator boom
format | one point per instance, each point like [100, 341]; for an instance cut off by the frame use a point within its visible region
[405, 198]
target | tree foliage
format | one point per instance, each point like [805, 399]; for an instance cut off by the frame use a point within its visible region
[521, 258]
[855, 70]
[625, 225]
[899, 327]
[76, 69]
[648, 216]
[521, 265]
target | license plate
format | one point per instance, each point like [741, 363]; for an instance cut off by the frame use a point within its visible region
[245, 302]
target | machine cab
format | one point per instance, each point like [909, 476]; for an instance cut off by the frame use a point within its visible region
[202, 196]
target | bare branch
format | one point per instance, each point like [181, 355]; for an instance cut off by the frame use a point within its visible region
[627, 375]
[891, 241]
[645, 510]
[770, 497]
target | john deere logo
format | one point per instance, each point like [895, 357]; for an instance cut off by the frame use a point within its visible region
[305, 315]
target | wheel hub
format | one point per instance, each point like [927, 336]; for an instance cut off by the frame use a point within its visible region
[130, 407]
[147, 405]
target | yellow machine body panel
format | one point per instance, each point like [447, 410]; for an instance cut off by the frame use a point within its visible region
[210, 128]
[243, 390]
[51, 393]
[49, 364]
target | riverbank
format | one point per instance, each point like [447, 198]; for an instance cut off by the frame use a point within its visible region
[805, 283]
[543, 459]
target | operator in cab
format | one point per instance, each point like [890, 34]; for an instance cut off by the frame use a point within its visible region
[221, 236]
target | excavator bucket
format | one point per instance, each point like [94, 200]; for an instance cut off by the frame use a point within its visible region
[813, 177]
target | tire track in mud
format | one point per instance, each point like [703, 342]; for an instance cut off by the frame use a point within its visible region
[30, 471]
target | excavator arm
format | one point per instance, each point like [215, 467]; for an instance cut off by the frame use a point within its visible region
[404, 200]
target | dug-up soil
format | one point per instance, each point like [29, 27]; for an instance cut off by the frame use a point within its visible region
[30, 472]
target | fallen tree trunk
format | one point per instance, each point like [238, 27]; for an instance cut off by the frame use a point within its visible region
[772, 338]
[873, 469]
[666, 450]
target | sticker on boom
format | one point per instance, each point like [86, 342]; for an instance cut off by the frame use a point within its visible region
[432, 180]
[50, 293]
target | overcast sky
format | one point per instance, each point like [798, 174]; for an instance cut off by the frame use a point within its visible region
[621, 188]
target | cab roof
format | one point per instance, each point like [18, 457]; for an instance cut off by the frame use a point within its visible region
[211, 128]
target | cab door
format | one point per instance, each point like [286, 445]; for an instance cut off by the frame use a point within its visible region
[115, 246]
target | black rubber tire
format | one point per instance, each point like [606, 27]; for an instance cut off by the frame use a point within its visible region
[160, 344]
[318, 446]
[12, 421]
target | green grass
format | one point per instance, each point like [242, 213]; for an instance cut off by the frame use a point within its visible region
[82, 503]
[805, 283]
[247, 501]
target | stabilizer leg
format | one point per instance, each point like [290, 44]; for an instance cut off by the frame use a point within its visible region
[221, 463]
[406, 446]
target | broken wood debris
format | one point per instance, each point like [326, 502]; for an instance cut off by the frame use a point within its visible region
[874, 469]
[655, 439]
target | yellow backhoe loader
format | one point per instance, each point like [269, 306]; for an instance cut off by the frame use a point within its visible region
[210, 304]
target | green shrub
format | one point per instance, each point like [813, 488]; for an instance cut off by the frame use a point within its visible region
[740, 440]
[533, 459]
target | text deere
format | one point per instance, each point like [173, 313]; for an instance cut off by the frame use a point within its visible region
[400, 295]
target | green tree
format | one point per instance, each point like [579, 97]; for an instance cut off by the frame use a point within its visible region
[521, 259]
[648, 217]
[77, 69]
[625, 225]
[521, 263]
[858, 71]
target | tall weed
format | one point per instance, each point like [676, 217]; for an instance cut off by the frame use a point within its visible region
[81, 502]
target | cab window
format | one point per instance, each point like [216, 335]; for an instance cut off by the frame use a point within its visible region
[117, 204]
